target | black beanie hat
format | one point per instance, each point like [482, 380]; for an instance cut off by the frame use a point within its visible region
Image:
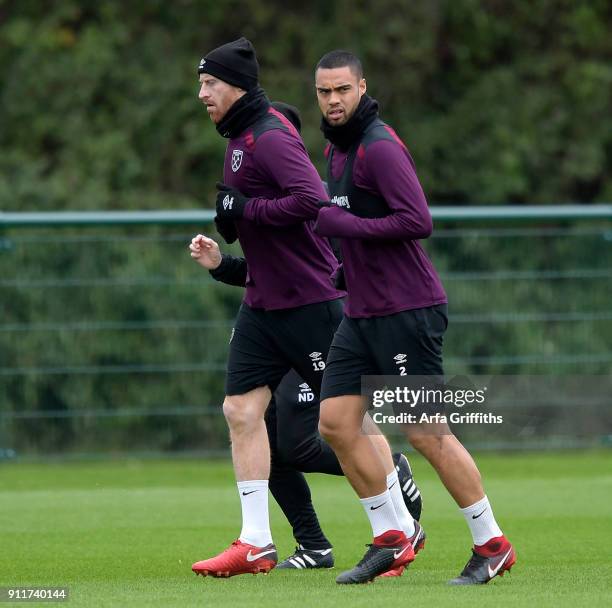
[234, 63]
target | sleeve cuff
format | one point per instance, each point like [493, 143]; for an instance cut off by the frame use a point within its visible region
[218, 272]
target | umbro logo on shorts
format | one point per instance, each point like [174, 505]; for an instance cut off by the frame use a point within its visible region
[317, 363]
[305, 395]
[400, 360]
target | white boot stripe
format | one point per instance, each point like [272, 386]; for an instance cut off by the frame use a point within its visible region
[301, 561]
[310, 560]
[413, 498]
[294, 562]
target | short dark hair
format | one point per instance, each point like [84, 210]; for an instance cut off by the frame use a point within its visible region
[341, 59]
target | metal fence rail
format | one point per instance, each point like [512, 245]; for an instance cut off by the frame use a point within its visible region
[488, 213]
[108, 312]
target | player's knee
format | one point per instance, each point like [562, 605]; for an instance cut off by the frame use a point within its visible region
[243, 412]
[330, 429]
[335, 426]
[239, 414]
[426, 444]
[326, 431]
[332, 424]
[433, 446]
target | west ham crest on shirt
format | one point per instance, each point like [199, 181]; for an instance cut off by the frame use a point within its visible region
[236, 160]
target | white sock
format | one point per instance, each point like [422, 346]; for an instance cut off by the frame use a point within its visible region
[381, 513]
[403, 515]
[481, 521]
[255, 519]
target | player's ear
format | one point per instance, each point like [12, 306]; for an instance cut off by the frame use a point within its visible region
[362, 87]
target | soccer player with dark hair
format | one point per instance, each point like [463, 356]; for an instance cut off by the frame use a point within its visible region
[396, 305]
[291, 307]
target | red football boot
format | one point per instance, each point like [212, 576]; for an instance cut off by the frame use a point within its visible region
[238, 558]
[389, 550]
[417, 540]
[488, 561]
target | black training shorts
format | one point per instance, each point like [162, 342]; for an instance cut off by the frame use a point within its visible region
[407, 343]
[266, 344]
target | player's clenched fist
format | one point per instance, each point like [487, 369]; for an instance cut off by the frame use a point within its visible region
[205, 252]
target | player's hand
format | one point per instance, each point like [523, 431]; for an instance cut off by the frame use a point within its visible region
[230, 202]
[205, 252]
[227, 229]
[327, 204]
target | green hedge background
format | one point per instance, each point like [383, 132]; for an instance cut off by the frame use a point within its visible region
[499, 102]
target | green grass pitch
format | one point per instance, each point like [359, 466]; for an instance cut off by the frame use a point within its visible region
[126, 533]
